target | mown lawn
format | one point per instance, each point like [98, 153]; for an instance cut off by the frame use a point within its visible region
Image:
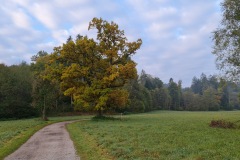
[15, 132]
[158, 135]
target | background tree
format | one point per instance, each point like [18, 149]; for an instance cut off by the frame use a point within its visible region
[44, 93]
[225, 96]
[137, 100]
[211, 99]
[15, 91]
[181, 101]
[196, 86]
[174, 94]
[192, 101]
[150, 82]
[227, 40]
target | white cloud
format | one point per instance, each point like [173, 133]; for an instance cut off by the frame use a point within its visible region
[160, 13]
[81, 28]
[45, 14]
[159, 30]
[20, 19]
[70, 3]
[60, 35]
[176, 35]
[47, 46]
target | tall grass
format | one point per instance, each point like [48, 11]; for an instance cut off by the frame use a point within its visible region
[158, 135]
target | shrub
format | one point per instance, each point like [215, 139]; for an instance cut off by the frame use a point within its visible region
[222, 124]
[17, 112]
[100, 118]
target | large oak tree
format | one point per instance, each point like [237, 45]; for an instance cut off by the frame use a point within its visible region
[93, 72]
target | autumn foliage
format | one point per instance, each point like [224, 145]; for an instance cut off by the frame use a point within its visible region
[93, 72]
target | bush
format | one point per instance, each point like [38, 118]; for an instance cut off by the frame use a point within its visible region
[222, 124]
[17, 112]
[100, 118]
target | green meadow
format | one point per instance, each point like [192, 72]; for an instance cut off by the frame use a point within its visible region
[155, 135]
[158, 135]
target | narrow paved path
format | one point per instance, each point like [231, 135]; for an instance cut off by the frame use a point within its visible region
[50, 143]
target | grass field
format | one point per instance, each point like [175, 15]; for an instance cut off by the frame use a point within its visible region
[158, 135]
[15, 132]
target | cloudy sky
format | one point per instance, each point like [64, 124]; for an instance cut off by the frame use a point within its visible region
[176, 34]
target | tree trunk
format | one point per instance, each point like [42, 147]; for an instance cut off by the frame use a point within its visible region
[71, 101]
[100, 113]
[44, 117]
[57, 105]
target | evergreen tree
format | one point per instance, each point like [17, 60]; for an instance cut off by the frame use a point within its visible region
[15, 91]
[174, 94]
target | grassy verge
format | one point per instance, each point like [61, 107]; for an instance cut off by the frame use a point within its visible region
[16, 132]
[86, 145]
[158, 135]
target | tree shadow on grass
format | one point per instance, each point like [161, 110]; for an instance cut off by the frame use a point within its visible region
[105, 118]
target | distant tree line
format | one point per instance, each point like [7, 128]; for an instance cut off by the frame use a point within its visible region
[24, 94]
[205, 94]
[15, 91]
